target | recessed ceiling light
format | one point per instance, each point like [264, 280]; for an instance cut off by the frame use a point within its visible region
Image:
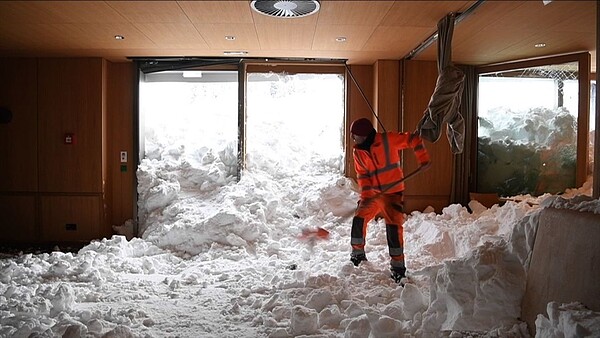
[235, 52]
[540, 45]
[119, 37]
[341, 39]
[229, 37]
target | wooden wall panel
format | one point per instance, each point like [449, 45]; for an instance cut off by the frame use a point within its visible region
[17, 219]
[387, 93]
[583, 120]
[18, 153]
[120, 176]
[357, 107]
[404, 87]
[70, 101]
[419, 82]
[420, 202]
[70, 218]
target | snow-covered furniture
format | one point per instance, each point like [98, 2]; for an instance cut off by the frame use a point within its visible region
[565, 264]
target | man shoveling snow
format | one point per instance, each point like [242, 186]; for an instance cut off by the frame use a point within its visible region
[381, 181]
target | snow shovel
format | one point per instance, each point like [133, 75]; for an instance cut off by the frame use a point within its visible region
[313, 234]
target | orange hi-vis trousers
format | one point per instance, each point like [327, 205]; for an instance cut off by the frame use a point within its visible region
[390, 206]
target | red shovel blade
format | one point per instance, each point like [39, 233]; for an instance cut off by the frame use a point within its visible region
[313, 234]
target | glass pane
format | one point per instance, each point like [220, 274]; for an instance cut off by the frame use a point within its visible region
[190, 117]
[527, 133]
[299, 118]
[189, 125]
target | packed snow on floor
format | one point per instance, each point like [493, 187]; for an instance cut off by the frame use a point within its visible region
[227, 261]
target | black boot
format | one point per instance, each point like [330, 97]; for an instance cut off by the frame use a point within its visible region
[398, 274]
[356, 258]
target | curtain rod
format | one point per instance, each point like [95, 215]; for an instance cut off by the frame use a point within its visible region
[458, 18]
[234, 59]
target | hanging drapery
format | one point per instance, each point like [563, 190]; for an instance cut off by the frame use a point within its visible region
[461, 183]
[445, 101]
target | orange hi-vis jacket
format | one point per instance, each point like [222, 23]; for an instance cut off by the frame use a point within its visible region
[380, 168]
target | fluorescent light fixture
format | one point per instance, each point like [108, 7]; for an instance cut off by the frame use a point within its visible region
[340, 39]
[229, 37]
[192, 73]
[539, 45]
[235, 52]
[119, 37]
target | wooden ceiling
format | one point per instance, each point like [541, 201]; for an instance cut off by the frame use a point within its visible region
[495, 31]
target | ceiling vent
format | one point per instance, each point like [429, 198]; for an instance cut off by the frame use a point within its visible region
[286, 8]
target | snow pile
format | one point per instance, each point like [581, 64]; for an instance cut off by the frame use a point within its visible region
[240, 270]
[567, 320]
[532, 151]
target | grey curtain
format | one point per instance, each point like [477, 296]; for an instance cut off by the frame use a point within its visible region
[445, 100]
[461, 172]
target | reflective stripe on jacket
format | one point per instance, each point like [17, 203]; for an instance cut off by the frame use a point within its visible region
[380, 168]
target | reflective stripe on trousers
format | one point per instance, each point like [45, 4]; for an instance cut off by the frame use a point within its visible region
[390, 206]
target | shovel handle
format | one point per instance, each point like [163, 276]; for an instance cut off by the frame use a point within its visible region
[412, 174]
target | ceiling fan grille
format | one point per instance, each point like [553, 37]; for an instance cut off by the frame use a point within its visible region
[285, 8]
